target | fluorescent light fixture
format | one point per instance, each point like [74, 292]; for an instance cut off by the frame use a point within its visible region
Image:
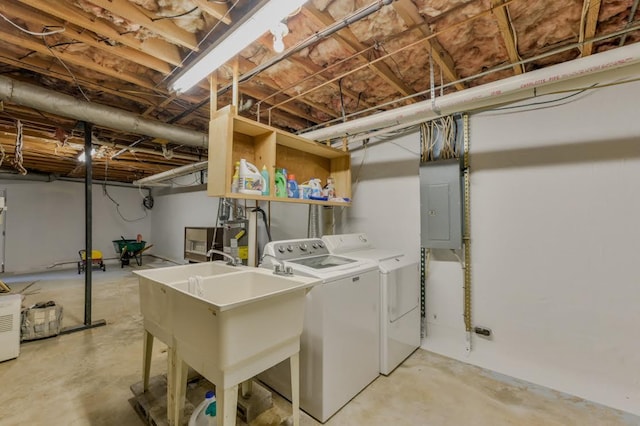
[269, 14]
[82, 158]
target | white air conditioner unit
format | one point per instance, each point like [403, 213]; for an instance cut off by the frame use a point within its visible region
[10, 326]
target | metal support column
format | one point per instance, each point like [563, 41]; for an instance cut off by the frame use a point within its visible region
[88, 215]
[466, 235]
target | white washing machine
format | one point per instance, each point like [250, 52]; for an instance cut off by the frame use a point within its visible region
[340, 337]
[399, 296]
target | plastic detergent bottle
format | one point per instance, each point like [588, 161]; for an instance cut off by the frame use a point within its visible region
[205, 412]
[329, 189]
[305, 190]
[250, 180]
[281, 183]
[316, 187]
[265, 177]
[236, 177]
[292, 187]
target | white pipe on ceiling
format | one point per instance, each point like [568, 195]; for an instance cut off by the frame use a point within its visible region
[516, 88]
[53, 102]
[178, 171]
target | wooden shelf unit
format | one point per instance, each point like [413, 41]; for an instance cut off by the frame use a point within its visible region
[232, 137]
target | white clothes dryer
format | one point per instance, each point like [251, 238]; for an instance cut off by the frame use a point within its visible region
[340, 337]
[399, 296]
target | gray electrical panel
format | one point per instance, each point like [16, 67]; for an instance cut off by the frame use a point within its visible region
[441, 205]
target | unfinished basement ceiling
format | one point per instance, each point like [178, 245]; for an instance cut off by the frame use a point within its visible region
[125, 53]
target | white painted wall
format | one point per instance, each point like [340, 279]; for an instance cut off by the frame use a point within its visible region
[173, 212]
[386, 194]
[45, 222]
[555, 198]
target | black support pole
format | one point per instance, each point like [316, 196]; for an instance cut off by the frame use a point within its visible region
[88, 220]
[88, 213]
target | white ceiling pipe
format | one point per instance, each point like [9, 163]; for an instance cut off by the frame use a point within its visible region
[519, 87]
[53, 102]
[178, 171]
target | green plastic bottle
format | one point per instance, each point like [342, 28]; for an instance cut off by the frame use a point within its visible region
[281, 183]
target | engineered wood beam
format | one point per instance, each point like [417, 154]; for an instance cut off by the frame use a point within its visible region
[409, 13]
[590, 25]
[155, 47]
[507, 33]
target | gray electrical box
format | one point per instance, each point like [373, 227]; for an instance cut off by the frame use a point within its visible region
[441, 205]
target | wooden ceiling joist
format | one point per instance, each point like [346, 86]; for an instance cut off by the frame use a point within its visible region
[81, 61]
[590, 23]
[258, 93]
[57, 71]
[312, 68]
[505, 25]
[162, 27]
[409, 13]
[123, 54]
[77, 34]
[246, 66]
[351, 42]
[217, 10]
[161, 49]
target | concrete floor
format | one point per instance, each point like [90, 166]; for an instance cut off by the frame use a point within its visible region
[84, 378]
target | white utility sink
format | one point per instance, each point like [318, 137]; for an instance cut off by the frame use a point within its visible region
[248, 317]
[172, 274]
[236, 323]
[154, 303]
[156, 306]
[243, 286]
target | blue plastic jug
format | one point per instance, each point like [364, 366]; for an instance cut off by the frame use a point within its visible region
[292, 187]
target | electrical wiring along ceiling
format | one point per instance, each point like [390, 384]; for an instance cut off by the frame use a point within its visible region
[125, 54]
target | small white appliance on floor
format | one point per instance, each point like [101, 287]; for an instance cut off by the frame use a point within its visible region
[340, 335]
[399, 296]
[10, 326]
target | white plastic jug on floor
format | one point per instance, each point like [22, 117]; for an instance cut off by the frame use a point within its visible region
[205, 414]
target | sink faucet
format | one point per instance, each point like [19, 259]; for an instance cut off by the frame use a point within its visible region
[233, 261]
[279, 268]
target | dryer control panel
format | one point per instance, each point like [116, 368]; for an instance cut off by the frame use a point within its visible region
[343, 243]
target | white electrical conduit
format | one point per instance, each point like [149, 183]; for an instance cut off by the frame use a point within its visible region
[178, 171]
[512, 89]
[149, 151]
[53, 102]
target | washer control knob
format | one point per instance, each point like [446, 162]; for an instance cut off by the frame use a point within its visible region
[314, 245]
[303, 247]
[281, 249]
[321, 245]
[289, 248]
